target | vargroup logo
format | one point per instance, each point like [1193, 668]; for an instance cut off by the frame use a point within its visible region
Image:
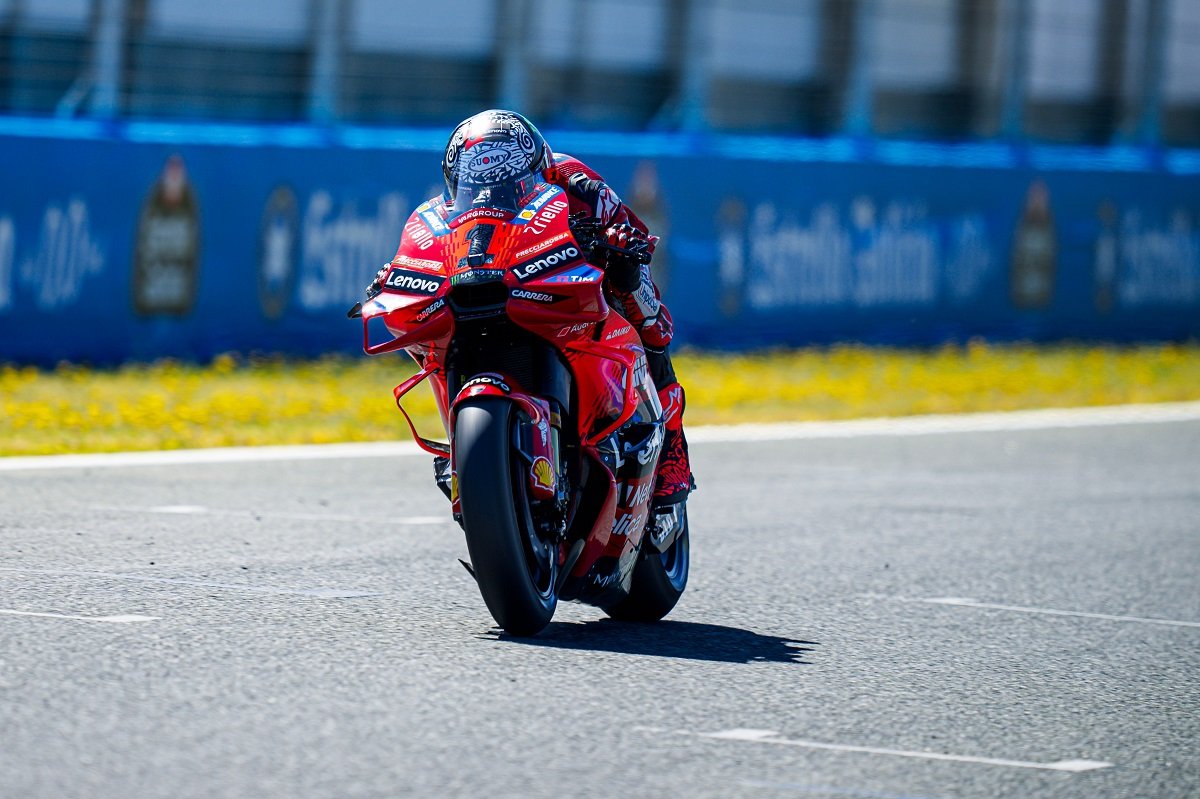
[406, 282]
[481, 213]
[167, 252]
[277, 257]
[559, 257]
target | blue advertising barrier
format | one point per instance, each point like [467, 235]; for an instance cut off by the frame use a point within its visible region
[147, 240]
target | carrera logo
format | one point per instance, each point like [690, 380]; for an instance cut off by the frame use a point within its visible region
[551, 260]
[540, 246]
[405, 282]
[534, 296]
[431, 309]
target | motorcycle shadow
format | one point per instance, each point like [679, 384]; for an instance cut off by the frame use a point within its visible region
[676, 639]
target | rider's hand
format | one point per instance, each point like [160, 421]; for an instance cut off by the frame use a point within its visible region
[624, 268]
[376, 284]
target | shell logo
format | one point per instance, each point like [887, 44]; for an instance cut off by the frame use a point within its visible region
[543, 473]
[454, 486]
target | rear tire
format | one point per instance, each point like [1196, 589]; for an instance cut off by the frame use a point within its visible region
[516, 571]
[659, 579]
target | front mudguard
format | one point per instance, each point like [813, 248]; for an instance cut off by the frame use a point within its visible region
[539, 451]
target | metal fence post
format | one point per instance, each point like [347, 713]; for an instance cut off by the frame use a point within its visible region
[323, 88]
[512, 42]
[1015, 39]
[695, 67]
[1150, 88]
[858, 105]
[107, 62]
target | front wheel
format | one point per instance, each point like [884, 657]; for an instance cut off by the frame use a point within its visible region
[658, 580]
[514, 567]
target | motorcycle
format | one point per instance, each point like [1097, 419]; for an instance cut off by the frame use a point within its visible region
[553, 422]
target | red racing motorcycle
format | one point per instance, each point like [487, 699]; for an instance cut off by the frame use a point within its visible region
[554, 424]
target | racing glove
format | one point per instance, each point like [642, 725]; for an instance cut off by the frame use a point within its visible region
[376, 284]
[628, 250]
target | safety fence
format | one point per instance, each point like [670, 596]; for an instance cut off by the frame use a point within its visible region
[146, 240]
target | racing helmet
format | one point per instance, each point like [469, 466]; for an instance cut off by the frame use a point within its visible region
[493, 148]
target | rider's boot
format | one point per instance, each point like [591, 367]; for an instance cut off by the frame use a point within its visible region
[674, 480]
[636, 297]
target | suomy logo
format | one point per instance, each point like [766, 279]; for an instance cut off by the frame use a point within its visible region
[407, 282]
[551, 260]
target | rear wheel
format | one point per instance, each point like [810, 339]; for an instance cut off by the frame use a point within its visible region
[658, 580]
[514, 567]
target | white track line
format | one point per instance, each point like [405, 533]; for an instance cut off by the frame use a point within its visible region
[187, 457]
[771, 737]
[198, 510]
[1047, 419]
[319, 593]
[786, 431]
[965, 602]
[126, 619]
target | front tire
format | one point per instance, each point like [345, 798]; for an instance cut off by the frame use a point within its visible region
[515, 570]
[658, 580]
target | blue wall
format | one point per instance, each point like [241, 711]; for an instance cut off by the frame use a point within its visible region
[149, 240]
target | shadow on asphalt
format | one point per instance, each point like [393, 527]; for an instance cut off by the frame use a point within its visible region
[673, 639]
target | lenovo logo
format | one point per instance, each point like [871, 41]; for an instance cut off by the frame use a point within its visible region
[551, 260]
[407, 282]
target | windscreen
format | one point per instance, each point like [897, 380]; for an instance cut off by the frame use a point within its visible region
[492, 173]
[509, 195]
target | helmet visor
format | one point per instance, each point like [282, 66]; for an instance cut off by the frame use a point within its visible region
[505, 194]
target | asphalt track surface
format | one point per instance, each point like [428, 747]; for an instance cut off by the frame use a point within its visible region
[1012, 613]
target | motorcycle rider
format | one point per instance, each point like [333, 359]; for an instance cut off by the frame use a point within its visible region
[628, 284]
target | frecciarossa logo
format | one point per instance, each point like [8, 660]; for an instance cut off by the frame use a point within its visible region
[406, 282]
[550, 260]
